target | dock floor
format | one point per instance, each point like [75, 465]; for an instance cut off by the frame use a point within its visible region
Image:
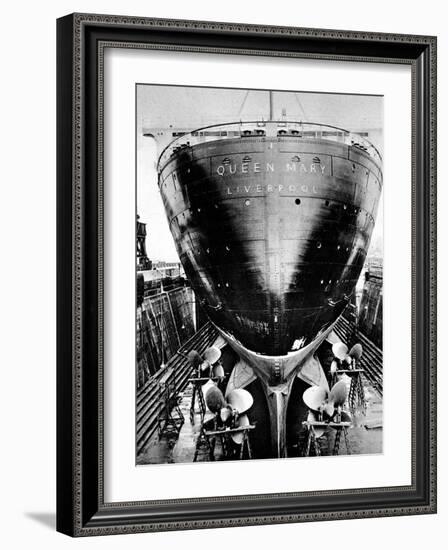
[364, 437]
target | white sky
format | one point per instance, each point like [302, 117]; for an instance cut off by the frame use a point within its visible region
[171, 107]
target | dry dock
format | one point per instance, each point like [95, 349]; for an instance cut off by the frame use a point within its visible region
[363, 436]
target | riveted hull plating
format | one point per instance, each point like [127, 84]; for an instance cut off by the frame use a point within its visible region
[272, 232]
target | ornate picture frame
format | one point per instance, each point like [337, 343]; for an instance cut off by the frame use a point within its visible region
[81, 43]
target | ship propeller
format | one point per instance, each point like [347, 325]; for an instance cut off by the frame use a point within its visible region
[319, 400]
[233, 411]
[211, 366]
[315, 398]
[240, 401]
[340, 351]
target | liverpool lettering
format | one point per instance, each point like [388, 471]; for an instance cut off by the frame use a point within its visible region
[241, 189]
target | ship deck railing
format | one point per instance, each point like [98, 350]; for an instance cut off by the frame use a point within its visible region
[279, 128]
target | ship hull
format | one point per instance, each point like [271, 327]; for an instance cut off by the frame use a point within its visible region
[272, 233]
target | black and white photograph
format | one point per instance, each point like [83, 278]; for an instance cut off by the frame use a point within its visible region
[221, 309]
[259, 274]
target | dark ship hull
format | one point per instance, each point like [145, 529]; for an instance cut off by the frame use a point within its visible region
[272, 227]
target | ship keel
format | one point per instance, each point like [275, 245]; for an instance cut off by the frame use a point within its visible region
[276, 375]
[277, 398]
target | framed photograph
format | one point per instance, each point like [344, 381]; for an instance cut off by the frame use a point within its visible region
[246, 274]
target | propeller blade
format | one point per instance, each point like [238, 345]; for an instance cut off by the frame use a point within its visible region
[218, 371]
[339, 350]
[194, 358]
[240, 399]
[328, 410]
[204, 368]
[315, 398]
[212, 354]
[334, 367]
[214, 399]
[225, 413]
[338, 394]
[356, 351]
[206, 386]
[241, 422]
[312, 417]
